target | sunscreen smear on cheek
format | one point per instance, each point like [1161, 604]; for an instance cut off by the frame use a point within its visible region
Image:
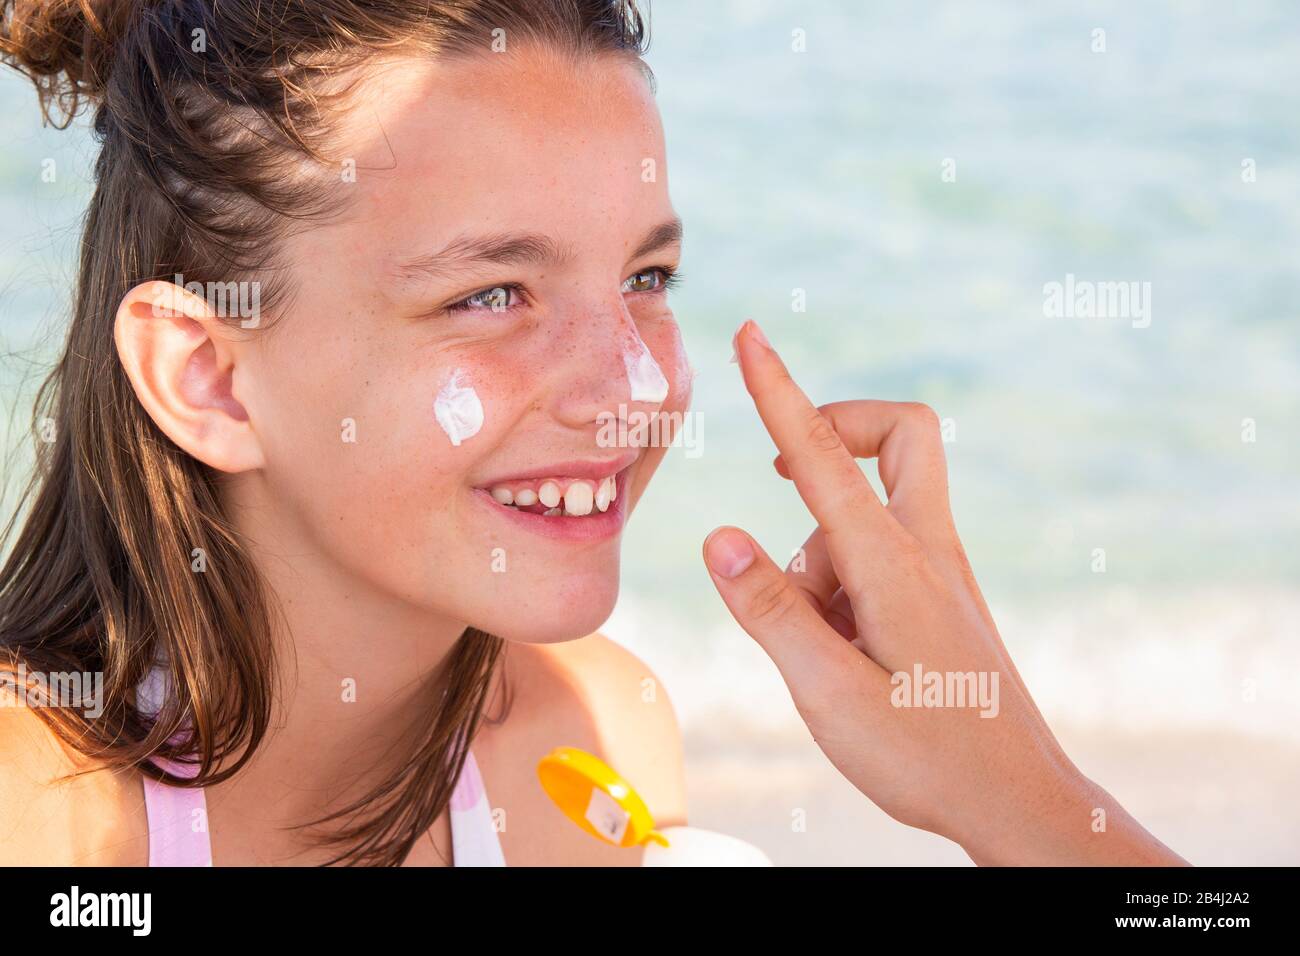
[458, 410]
[644, 377]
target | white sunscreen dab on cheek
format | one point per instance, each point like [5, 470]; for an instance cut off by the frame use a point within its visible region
[458, 410]
[644, 376]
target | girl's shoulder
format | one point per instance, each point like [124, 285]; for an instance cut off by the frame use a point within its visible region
[595, 695]
[638, 724]
[60, 808]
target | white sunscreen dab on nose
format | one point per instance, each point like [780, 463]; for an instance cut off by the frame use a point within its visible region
[643, 374]
[458, 410]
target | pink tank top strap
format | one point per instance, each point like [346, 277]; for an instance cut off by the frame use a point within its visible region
[178, 816]
[178, 820]
[474, 837]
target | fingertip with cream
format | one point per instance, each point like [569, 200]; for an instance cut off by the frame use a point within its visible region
[757, 335]
[750, 328]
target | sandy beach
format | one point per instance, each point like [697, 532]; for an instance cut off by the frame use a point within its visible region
[1225, 800]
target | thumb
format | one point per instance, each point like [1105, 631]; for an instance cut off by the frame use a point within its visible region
[804, 648]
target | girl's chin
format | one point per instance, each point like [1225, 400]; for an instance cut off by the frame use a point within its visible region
[563, 614]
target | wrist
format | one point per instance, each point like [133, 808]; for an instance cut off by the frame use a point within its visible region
[1040, 826]
[1043, 819]
[1062, 818]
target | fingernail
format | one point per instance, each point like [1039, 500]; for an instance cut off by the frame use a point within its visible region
[756, 332]
[759, 337]
[728, 552]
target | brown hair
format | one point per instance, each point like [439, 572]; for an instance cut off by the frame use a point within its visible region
[202, 108]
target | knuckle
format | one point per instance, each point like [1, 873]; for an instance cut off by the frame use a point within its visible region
[923, 414]
[821, 434]
[809, 596]
[772, 600]
[911, 554]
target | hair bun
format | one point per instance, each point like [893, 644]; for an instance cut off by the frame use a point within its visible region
[65, 47]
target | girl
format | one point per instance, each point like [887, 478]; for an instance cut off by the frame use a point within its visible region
[323, 502]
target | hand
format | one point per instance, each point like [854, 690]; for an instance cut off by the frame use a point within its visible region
[882, 594]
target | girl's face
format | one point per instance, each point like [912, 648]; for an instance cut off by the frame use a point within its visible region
[486, 311]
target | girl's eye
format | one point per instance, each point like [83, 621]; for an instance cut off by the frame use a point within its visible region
[650, 280]
[500, 298]
[496, 299]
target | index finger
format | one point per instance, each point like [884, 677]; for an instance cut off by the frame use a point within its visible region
[906, 437]
[824, 472]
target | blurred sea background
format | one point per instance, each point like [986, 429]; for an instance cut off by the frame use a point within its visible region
[1172, 677]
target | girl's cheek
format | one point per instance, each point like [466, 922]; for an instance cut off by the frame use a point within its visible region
[472, 399]
[457, 408]
[469, 401]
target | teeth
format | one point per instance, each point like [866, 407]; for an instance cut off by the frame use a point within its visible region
[577, 500]
[549, 494]
[581, 498]
[553, 512]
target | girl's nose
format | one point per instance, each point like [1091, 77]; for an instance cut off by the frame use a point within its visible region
[612, 373]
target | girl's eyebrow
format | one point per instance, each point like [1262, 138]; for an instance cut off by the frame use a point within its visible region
[663, 235]
[515, 249]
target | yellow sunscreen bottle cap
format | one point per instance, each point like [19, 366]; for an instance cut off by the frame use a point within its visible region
[596, 798]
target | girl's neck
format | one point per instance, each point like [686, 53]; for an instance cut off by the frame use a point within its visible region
[355, 679]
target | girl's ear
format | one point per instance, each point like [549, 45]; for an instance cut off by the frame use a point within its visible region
[180, 359]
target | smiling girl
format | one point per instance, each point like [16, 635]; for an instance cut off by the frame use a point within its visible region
[323, 497]
[335, 555]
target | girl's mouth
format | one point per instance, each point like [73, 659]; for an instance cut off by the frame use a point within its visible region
[564, 506]
[553, 497]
